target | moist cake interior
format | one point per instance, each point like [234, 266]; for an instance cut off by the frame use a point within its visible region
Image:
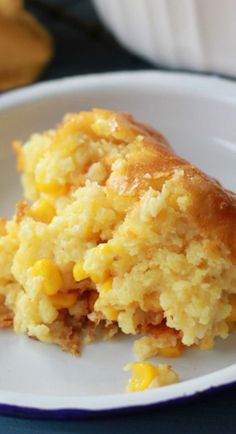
[116, 233]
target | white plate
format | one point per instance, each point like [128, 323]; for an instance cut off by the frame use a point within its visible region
[197, 114]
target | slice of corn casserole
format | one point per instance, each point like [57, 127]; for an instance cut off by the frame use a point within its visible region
[118, 234]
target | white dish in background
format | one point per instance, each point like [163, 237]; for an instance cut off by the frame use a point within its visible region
[197, 115]
[190, 34]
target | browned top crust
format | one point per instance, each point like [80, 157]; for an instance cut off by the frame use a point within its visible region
[151, 162]
[212, 209]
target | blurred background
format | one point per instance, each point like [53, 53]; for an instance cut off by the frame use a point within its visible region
[67, 39]
[82, 44]
[45, 39]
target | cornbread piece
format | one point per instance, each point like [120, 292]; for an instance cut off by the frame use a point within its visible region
[25, 46]
[122, 235]
[147, 376]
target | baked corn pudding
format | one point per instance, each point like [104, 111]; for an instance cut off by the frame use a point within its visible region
[117, 234]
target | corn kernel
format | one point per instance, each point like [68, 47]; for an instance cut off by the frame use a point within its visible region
[104, 249]
[106, 285]
[232, 301]
[64, 300]
[175, 351]
[78, 272]
[119, 249]
[42, 211]
[111, 313]
[142, 375]
[53, 187]
[100, 277]
[104, 252]
[51, 276]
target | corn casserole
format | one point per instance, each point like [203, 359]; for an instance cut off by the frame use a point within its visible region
[117, 234]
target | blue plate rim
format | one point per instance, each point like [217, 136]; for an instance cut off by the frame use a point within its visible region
[22, 412]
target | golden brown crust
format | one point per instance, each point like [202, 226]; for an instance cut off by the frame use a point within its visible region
[212, 209]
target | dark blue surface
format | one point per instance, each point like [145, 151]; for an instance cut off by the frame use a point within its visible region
[211, 413]
[83, 46]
